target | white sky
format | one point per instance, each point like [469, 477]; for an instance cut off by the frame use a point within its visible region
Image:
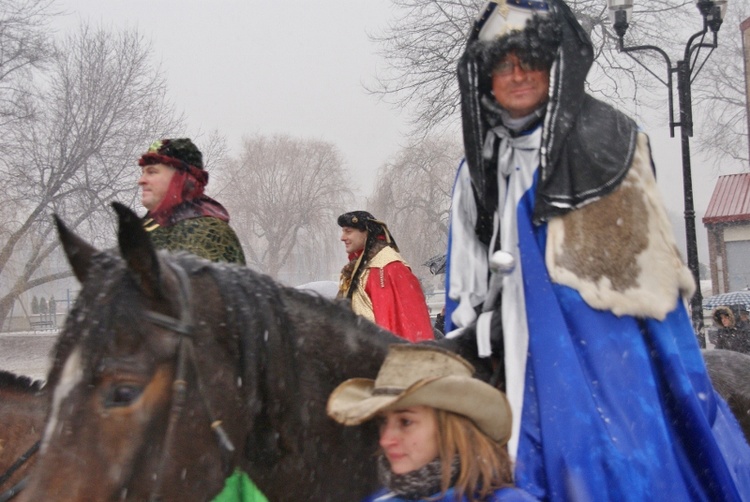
[297, 67]
[244, 67]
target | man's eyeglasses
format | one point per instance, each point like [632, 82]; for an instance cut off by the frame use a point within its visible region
[505, 68]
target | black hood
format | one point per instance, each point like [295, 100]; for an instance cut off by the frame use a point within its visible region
[587, 145]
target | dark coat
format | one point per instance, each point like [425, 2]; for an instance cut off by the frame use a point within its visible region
[736, 336]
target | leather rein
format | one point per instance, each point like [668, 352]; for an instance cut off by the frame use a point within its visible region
[184, 328]
[16, 489]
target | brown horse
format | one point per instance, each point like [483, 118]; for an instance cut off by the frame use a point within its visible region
[730, 375]
[23, 408]
[172, 372]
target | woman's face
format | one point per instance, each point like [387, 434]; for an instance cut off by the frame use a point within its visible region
[409, 438]
[725, 320]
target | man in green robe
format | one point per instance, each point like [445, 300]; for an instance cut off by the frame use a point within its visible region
[180, 216]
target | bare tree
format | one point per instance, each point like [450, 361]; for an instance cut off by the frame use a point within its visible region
[422, 46]
[413, 195]
[214, 149]
[719, 96]
[25, 46]
[284, 195]
[97, 105]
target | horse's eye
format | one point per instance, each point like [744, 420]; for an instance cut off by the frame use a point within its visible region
[122, 395]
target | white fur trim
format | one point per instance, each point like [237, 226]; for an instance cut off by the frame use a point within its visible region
[619, 252]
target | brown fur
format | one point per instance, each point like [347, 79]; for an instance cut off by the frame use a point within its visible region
[619, 252]
[609, 223]
[726, 311]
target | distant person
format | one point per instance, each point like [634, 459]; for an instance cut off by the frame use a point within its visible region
[377, 280]
[732, 334]
[745, 315]
[52, 306]
[180, 217]
[440, 321]
[442, 432]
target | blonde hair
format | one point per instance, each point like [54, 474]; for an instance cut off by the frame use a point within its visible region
[485, 465]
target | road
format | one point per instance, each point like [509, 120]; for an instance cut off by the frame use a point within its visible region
[27, 353]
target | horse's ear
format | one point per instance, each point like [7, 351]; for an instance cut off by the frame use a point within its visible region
[78, 251]
[137, 250]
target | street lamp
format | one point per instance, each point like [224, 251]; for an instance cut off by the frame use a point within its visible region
[712, 11]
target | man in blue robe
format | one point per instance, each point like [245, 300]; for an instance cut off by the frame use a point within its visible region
[610, 396]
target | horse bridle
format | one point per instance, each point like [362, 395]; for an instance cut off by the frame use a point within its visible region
[184, 327]
[16, 489]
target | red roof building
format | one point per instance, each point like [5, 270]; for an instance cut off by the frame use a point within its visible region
[727, 221]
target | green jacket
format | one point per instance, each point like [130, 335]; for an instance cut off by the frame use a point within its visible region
[205, 236]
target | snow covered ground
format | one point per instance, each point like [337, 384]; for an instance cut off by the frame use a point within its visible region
[27, 353]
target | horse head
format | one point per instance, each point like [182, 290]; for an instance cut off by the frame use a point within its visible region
[126, 368]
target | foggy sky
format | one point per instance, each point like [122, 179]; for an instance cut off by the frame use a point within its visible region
[298, 67]
[246, 67]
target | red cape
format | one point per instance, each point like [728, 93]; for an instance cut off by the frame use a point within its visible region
[399, 303]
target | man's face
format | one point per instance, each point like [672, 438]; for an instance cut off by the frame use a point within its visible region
[154, 183]
[518, 89]
[353, 239]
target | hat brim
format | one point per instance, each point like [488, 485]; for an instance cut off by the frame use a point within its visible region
[353, 402]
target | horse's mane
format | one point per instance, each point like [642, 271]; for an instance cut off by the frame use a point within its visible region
[20, 382]
[257, 313]
[254, 303]
[285, 340]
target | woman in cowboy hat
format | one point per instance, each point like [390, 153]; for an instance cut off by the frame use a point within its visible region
[442, 432]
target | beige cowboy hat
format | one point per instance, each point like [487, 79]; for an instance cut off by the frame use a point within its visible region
[413, 375]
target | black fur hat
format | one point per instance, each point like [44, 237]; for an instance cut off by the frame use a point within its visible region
[535, 45]
[727, 311]
[173, 152]
[358, 220]
[366, 222]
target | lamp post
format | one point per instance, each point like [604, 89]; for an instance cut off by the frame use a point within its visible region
[712, 11]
